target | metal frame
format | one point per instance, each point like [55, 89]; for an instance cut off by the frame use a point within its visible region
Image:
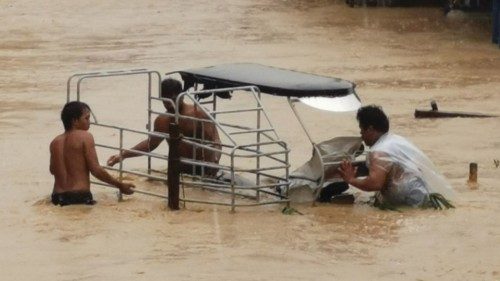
[111, 73]
[233, 151]
[324, 165]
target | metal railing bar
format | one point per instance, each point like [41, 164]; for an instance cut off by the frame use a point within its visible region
[260, 169]
[136, 173]
[263, 203]
[152, 133]
[204, 110]
[248, 128]
[237, 110]
[135, 190]
[228, 185]
[274, 194]
[230, 89]
[212, 188]
[250, 131]
[196, 143]
[262, 143]
[200, 201]
[183, 117]
[273, 176]
[108, 75]
[332, 163]
[143, 153]
[203, 163]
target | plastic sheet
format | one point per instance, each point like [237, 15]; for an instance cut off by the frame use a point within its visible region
[307, 180]
[412, 175]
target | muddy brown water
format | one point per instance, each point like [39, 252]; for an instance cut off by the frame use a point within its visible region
[400, 58]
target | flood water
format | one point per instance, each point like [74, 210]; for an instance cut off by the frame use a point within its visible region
[400, 58]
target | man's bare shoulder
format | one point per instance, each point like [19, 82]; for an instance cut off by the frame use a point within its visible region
[58, 140]
[198, 112]
[81, 136]
[161, 123]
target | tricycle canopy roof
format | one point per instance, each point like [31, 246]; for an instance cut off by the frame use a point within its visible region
[270, 80]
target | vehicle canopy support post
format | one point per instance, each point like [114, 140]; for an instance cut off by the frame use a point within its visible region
[173, 167]
[294, 110]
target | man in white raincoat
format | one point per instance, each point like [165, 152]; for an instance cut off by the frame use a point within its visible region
[399, 172]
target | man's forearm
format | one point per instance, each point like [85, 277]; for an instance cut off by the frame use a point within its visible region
[142, 146]
[104, 176]
[364, 184]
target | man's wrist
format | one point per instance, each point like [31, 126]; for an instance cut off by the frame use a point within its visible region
[350, 181]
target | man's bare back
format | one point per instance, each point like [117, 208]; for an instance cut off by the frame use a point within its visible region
[192, 129]
[188, 128]
[68, 163]
[73, 157]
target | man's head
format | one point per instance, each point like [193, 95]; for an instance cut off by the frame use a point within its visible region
[170, 88]
[373, 123]
[76, 115]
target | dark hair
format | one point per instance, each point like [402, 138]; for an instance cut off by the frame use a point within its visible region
[170, 88]
[372, 115]
[72, 111]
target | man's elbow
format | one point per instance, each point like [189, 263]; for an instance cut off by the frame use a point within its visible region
[153, 143]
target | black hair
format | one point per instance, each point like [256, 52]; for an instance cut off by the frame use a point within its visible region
[372, 115]
[72, 111]
[170, 88]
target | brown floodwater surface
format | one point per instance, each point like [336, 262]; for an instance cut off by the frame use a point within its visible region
[400, 58]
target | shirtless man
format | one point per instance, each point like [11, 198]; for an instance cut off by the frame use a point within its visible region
[171, 88]
[73, 157]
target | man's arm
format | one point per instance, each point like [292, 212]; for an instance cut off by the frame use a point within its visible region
[147, 145]
[96, 169]
[52, 159]
[375, 180]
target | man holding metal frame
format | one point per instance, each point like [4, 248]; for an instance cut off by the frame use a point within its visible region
[204, 132]
[73, 157]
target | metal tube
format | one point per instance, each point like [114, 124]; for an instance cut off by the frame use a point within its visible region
[258, 131]
[83, 76]
[258, 109]
[208, 187]
[135, 190]
[261, 169]
[152, 154]
[233, 198]
[68, 83]
[120, 167]
[287, 174]
[292, 106]
[200, 201]
[322, 179]
[137, 174]
[226, 186]
[149, 117]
